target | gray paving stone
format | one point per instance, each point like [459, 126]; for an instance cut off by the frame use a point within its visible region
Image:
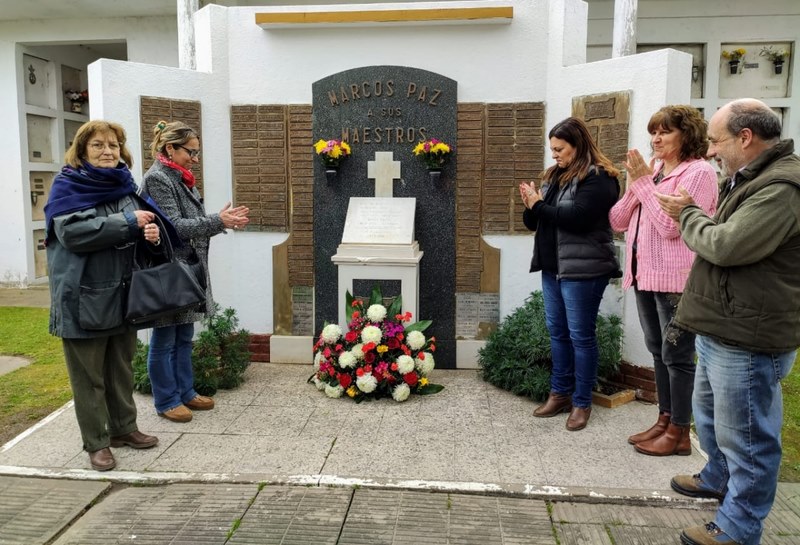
[583, 534]
[634, 535]
[179, 514]
[629, 515]
[33, 511]
[399, 517]
[291, 515]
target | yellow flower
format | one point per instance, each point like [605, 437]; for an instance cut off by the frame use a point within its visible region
[351, 391]
[382, 348]
[420, 148]
[423, 381]
[320, 145]
[346, 148]
[441, 147]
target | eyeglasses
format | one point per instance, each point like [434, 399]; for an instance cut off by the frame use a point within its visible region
[192, 152]
[100, 146]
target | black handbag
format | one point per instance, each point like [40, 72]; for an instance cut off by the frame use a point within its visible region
[161, 290]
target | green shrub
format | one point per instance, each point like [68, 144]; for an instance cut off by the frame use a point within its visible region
[141, 379]
[517, 355]
[220, 356]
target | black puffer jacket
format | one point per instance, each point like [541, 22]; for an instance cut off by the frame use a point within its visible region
[573, 235]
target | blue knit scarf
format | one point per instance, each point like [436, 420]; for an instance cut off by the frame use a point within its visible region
[89, 186]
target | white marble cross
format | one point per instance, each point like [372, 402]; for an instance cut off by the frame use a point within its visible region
[384, 170]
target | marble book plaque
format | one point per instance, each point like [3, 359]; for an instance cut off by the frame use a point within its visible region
[374, 220]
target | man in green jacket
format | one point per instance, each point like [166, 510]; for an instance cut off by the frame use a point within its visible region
[742, 300]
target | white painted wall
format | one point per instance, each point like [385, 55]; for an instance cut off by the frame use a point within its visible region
[241, 63]
[13, 237]
[149, 39]
[712, 23]
[279, 66]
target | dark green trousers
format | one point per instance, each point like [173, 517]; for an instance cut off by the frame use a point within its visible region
[101, 375]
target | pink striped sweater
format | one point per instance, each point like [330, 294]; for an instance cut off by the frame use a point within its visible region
[663, 259]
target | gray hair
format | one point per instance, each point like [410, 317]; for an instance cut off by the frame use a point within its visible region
[756, 116]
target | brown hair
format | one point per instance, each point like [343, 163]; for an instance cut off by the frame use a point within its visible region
[688, 120]
[76, 154]
[574, 131]
[176, 133]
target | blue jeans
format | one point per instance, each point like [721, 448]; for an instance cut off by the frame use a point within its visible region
[570, 309]
[169, 364]
[738, 413]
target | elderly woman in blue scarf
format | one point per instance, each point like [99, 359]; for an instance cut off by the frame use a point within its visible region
[94, 217]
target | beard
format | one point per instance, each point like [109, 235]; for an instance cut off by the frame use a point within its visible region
[729, 163]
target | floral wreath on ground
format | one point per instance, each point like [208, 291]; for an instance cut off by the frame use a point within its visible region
[378, 357]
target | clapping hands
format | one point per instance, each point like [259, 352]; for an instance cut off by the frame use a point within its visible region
[234, 218]
[530, 195]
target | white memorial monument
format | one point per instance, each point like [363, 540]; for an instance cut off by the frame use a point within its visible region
[378, 242]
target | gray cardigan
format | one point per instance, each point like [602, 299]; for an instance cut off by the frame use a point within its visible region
[185, 208]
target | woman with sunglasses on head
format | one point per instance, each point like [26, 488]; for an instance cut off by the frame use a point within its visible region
[171, 184]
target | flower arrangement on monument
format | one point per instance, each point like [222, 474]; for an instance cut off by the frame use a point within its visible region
[332, 152]
[776, 56]
[78, 98]
[433, 152]
[734, 56]
[381, 355]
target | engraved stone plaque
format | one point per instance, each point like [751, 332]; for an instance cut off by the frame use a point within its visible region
[372, 220]
[302, 310]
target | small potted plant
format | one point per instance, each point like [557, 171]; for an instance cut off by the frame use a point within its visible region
[734, 56]
[331, 152]
[435, 154]
[777, 56]
[78, 98]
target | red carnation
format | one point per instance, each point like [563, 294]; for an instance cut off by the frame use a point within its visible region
[351, 336]
[360, 371]
[392, 343]
[369, 357]
[411, 378]
[345, 380]
[367, 347]
[356, 314]
[327, 352]
[394, 366]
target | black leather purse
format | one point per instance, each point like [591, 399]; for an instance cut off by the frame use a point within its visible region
[161, 290]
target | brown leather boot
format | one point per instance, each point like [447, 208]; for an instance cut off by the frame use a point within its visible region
[102, 460]
[655, 430]
[555, 404]
[673, 441]
[578, 418]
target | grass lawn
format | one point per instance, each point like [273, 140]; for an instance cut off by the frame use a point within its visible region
[790, 465]
[30, 393]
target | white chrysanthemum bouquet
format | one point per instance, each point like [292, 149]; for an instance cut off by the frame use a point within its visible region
[378, 356]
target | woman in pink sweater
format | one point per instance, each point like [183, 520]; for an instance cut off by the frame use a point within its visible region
[657, 263]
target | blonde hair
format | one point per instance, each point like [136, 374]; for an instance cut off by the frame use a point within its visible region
[76, 154]
[176, 133]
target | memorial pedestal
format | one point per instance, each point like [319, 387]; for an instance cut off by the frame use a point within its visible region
[378, 244]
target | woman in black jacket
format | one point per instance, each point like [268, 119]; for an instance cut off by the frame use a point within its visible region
[574, 249]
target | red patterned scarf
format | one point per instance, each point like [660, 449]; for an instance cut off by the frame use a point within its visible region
[186, 175]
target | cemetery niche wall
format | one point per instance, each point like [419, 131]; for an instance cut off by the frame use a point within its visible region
[389, 109]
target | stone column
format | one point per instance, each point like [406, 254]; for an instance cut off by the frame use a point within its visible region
[624, 28]
[186, 11]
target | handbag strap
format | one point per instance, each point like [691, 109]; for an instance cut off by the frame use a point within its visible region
[139, 259]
